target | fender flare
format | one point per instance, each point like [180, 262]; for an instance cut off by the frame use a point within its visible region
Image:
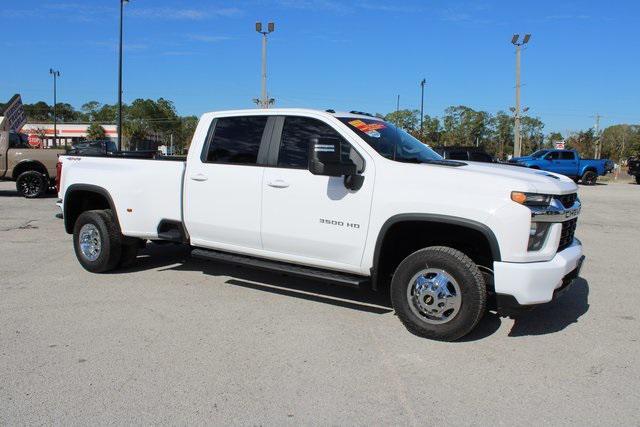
[433, 218]
[74, 188]
[14, 174]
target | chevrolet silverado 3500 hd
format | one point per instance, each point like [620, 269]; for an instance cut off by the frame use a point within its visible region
[345, 198]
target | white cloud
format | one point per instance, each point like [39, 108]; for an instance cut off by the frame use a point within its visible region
[207, 38]
[169, 13]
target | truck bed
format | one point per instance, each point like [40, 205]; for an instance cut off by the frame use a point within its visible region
[144, 191]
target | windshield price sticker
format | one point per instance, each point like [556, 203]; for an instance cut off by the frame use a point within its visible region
[370, 129]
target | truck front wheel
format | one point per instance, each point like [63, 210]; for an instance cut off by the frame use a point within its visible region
[589, 178]
[638, 179]
[439, 293]
[32, 184]
[96, 240]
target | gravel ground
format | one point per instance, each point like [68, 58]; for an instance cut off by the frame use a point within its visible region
[181, 341]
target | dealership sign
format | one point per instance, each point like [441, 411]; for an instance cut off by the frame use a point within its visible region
[559, 145]
[13, 113]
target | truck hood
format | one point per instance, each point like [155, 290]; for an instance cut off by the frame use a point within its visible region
[532, 180]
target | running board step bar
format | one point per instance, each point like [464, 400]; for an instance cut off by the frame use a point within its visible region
[344, 279]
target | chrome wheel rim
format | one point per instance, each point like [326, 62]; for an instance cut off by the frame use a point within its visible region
[434, 296]
[90, 242]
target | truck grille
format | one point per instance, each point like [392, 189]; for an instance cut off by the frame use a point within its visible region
[567, 200]
[568, 230]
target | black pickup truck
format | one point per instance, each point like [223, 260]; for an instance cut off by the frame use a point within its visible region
[634, 168]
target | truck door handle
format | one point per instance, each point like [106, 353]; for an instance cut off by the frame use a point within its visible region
[199, 177]
[278, 183]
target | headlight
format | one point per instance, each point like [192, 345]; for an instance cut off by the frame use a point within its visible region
[537, 235]
[531, 199]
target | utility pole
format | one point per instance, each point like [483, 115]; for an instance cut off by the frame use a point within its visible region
[264, 99]
[55, 75]
[422, 83]
[597, 136]
[517, 144]
[398, 104]
[122, 2]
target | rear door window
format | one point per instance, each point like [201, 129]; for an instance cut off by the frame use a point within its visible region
[567, 155]
[236, 140]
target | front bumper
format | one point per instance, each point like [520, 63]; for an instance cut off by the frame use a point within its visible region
[526, 284]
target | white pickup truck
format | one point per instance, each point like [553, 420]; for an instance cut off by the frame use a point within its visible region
[345, 198]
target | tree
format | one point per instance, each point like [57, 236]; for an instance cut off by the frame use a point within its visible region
[620, 142]
[465, 126]
[38, 112]
[90, 110]
[532, 136]
[501, 135]
[187, 129]
[554, 137]
[408, 120]
[583, 142]
[95, 132]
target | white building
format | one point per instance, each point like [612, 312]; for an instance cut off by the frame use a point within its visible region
[67, 133]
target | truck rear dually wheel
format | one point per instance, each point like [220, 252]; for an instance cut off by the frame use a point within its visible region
[439, 293]
[97, 241]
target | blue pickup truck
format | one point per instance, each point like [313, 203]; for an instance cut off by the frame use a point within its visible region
[566, 162]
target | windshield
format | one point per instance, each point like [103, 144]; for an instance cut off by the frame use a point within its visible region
[391, 141]
[539, 153]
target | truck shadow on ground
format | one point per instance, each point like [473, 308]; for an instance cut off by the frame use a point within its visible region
[14, 193]
[545, 319]
[554, 316]
[174, 257]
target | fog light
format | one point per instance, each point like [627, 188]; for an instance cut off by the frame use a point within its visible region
[537, 235]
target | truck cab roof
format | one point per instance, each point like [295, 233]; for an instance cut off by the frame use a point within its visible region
[295, 111]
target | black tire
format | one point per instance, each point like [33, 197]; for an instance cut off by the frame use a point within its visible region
[589, 178]
[31, 184]
[110, 245]
[638, 179]
[459, 267]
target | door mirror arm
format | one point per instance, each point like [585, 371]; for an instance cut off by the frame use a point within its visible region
[353, 182]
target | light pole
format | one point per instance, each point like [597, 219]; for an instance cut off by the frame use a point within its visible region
[122, 2]
[517, 144]
[55, 75]
[264, 100]
[422, 83]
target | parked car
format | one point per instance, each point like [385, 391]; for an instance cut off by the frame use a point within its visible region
[32, 169]
[93, 148]
[634, 168]
[566, 162]
[473, 154]
[344, 198]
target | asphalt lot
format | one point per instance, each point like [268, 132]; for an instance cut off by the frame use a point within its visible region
[181, 341]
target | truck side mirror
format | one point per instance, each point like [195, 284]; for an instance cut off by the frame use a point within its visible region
[325, 158]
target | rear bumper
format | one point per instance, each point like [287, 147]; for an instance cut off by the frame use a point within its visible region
[528, 284]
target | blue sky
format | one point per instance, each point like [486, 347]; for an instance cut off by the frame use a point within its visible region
[204, 55]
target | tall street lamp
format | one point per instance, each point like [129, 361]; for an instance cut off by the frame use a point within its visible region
[422, 83]
[55, 75]
[264, 100]
[122, 2]
[517, 143]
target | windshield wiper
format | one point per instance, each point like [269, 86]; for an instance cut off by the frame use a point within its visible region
[409, 160]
